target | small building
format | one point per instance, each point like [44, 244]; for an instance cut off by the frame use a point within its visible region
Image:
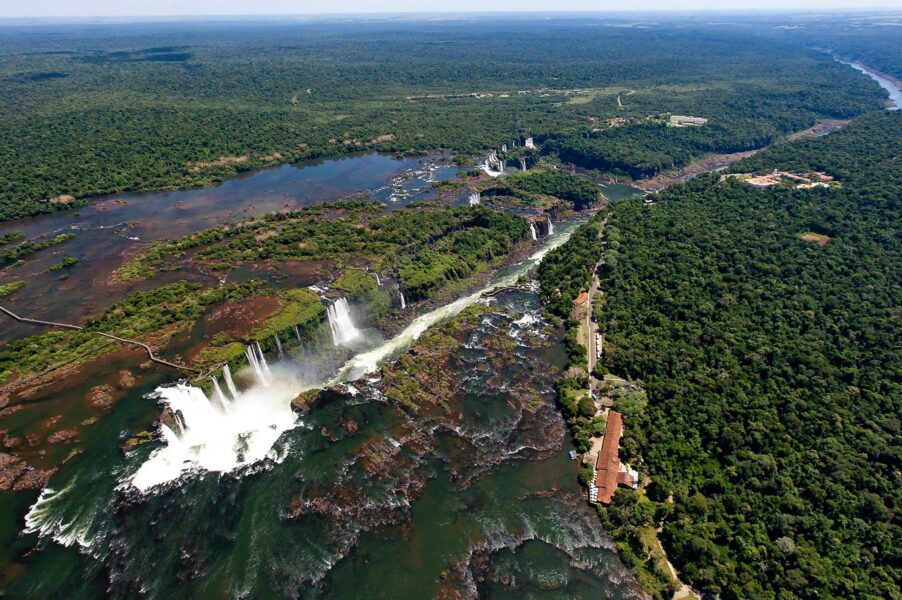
[683, 121]
[581, 299]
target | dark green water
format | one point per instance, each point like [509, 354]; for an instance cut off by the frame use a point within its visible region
[363, 499]
[619, 191]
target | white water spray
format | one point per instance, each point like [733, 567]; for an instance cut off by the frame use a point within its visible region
[343, 329]
[215, 440]
[370, 361]
[222, 441]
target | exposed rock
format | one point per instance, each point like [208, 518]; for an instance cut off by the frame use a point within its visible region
[64, 436]
[10, 410]
[33, 479]
[51, 422]
[126, 379]
[101, 397]
[350, 426]
[11, 468]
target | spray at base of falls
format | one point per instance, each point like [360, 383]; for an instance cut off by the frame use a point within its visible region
[341, 324]
[219, 441]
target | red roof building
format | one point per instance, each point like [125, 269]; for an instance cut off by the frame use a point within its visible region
[581, 299]
[608, 473]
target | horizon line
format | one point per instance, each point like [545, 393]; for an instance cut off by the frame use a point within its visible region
[474, 12]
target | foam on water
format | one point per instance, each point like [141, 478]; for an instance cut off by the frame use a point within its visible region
[220, 440]
[217, 440]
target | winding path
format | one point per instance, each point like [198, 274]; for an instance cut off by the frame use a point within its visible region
[147, 348]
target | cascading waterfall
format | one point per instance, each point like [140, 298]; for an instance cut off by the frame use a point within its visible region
[529, 143]
[522, 164]
[343, 329]
[230, 384]
[403, 301]
[550, 227]
[532, 230]
[378, 282]
[222, 441]
[297, 334]
[263, 362]
[475, 199]
[257, 365]
[504, 147]
[217, 393]
[279, 345]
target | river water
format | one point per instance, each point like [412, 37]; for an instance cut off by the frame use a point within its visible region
[359, 497]
[895, 94]
[112, 228]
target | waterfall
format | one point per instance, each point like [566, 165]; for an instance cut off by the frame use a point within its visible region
[378, 282]
[227, 375]
[522, 164]
[279, 345]
[297, 334]
[403, 302]
[504, 147]
[475, 199]
[529, 143]
[250, 431]
[532, 230]
[343, 330]
[550, 227]
[258, 363]
[501, 166]
[263, 362]
[217, 392]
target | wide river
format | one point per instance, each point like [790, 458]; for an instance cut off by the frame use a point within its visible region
[247, 502]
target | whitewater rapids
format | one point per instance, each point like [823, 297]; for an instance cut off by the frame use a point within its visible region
[223, 439]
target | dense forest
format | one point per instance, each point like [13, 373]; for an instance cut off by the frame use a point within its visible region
[157, 106]
[771, 364]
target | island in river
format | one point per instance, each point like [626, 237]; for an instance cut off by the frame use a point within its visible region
[301, 456]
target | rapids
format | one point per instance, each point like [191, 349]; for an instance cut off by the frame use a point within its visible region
[357, 497]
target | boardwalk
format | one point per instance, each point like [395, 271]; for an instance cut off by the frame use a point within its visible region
[146, 348]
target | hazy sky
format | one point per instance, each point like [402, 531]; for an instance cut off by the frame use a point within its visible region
[80, 8]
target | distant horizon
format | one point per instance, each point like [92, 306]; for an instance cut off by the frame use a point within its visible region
[232, 9]
[111, 19]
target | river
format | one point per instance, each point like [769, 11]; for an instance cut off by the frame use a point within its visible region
[895, 93]
[112, 228]
[356, 497]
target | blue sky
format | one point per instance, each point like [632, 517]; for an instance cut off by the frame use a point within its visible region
[120, 8]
